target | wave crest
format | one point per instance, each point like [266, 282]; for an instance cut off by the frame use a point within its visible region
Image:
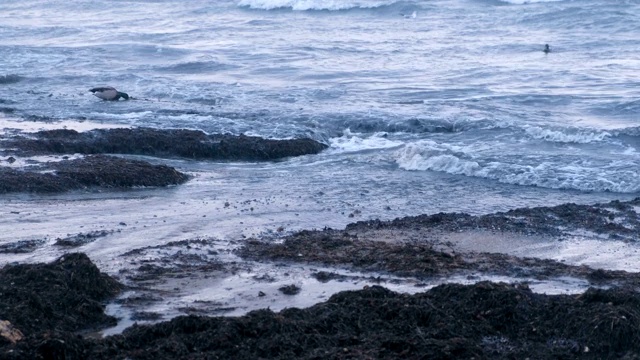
[427, 155]
[577, 175]
[354, 142]
[567, 135]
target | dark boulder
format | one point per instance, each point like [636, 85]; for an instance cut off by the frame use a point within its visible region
[184, 143]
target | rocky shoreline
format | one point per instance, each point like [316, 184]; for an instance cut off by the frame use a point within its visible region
[53, 310]
[46, 307]
[98, 170]
[483, 320]
[94, 171]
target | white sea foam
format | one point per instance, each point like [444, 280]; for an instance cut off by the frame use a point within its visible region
[566, 135]
[354, 142]
[578, 175]
[18, 162]
[414, 157]
[9, 125]
[630, 151]
[303, 5]
[118, 116]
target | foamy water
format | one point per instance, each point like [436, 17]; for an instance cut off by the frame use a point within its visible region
[460, 73]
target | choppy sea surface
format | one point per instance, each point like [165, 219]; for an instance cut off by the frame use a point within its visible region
[427, 106]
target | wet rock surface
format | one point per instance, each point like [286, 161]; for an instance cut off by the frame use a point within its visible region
[82, 238]
[21, 246]
[421, 261]
[484, 320]
[184, 143]
[616, 219]
[176, 259]
[65, 295]
[99, 171]
[334, 247]
[413, 246]
[291, 289]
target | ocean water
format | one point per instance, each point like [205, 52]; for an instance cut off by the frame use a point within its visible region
[427, 106]
[449, 87]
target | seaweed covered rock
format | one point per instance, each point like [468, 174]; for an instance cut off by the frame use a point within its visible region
[91, 171]
[618, 219]
[422, 257]
[114, 172]
[338, 248]
[65, 295]
[485, 320]
[164, 143]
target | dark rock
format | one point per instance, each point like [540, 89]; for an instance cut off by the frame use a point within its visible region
[325, 277]
[485, 320]
[146, 316]
[49, 302]
[176, 259]
[20, 247]
[290, 289]
[264, 278]
[616, 218]
[163, 143]
[81, 239]
[65, 295]
[91, 171]
[114, 172]
[420, 259]
[337, 248]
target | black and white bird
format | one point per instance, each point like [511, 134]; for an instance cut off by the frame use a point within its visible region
[547, 49]
[109, 93]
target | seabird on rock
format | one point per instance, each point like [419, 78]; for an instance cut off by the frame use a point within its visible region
[109, 93]
[547, 49]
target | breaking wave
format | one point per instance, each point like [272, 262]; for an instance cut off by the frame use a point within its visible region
[577, 175]
[566, 135]
[353, 142]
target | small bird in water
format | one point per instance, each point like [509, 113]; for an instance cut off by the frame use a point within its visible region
[109, 93]
[547, 49]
